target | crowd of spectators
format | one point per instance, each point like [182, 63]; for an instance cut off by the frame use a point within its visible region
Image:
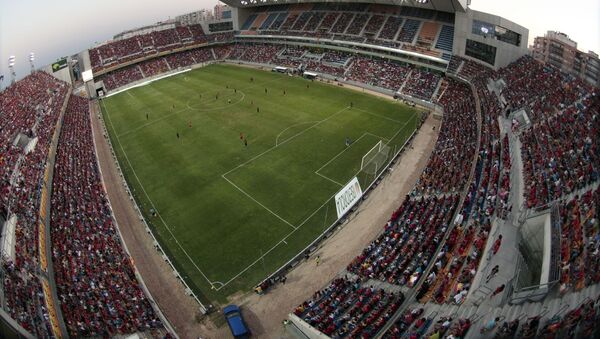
[541, 89]
[122, 77]
[390, 28]
[314, 21]
[293, 52]
[401, 253]
[336, 57]
[288, 22]
[153, 67]
[301, 21]
[181, 60]
[30, 107]
[580, 322]
[456, 265]
[404, 323]
[325, 68]
[580, 241]
[471, 70]
[328, 21]
[342, 23]
[346, 308]
[120, 51]
[156, 66]
[374, 24]
[96, 284]
[262, 54]
[222, 52]
[561, 154]
[450, 163]
[421, 84]
[357, 24]
[378, 72]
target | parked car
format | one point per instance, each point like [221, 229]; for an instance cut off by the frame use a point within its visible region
[236, 323]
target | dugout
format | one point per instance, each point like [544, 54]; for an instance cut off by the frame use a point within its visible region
[310, 75]
[280, 69]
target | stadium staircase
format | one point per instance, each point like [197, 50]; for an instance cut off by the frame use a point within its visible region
[405, 80]
[437, 89]
[362, 30]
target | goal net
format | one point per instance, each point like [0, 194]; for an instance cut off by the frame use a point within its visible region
[375, 158]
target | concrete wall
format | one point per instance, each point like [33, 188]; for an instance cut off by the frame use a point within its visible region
[64, 74]
[239, 16]
[505, 53]
[305, 328]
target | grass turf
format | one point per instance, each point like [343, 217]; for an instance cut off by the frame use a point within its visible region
[231, 214]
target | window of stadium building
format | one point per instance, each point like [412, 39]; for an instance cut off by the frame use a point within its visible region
[481, 51]
[221, 26]
[489, 30]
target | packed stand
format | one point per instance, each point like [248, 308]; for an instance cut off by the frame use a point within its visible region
[450, 163]
[410, 238]
[120, 51]
[262, 54]
[357, 24]
[314, 21]
[122, 77]
[378, 72]
[345, 308]
[391, 27]
[561, 154]
[97, 287]
[421, 84]
[374, 24]
[32, 107]
[404, 323]
[541, 89]
[153, 67]
[579, 241]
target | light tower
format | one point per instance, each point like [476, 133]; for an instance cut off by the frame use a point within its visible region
[31, 60]
[11, 66]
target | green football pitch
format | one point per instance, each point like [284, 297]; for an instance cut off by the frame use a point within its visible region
[229, 214]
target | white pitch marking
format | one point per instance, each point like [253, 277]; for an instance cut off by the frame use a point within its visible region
[298, 124]
[258, 202]
[152, 203]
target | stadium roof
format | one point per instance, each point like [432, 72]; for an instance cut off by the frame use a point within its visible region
[439, 5]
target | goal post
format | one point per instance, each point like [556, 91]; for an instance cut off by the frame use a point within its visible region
[370, 155]
[375, 158]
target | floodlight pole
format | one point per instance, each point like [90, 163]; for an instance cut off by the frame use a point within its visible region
[11, 66]
[31, 60]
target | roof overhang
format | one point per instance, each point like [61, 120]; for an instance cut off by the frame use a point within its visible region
[438, 5]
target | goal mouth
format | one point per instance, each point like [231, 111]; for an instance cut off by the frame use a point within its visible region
[375, 158]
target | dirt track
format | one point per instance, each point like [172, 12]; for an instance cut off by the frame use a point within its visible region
[168, 292]
[263, 313]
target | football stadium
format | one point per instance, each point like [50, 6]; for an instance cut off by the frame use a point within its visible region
[305, 169]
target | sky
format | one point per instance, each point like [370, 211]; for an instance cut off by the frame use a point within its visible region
[52, 29]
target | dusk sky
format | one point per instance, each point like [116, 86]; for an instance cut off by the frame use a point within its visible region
[52, 29]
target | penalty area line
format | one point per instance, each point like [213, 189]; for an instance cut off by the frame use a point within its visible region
[259, 203]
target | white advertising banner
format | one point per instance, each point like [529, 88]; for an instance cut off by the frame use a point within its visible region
[347, 197]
